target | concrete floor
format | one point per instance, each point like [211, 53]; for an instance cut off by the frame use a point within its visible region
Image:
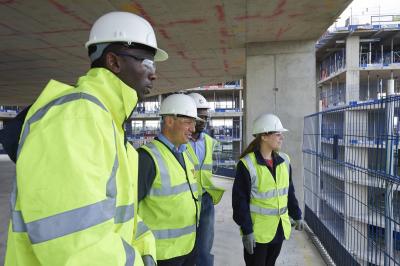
[227, 249]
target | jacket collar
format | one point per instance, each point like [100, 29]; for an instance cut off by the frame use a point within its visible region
[275, 158]
[119, 98]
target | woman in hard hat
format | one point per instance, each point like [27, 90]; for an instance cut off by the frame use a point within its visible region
[263, 195]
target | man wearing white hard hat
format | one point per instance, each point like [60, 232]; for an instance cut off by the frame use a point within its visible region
[75, 200]
[263, 195]
[168, 192]
[201, 150]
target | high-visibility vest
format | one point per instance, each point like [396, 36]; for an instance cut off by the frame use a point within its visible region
[203, 169]
[75, 197]
[171, 206]
[268, 198]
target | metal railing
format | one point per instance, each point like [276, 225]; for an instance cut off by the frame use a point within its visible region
[352, 181]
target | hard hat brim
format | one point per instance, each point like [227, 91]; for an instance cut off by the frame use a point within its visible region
[161, 55]
[195, 117]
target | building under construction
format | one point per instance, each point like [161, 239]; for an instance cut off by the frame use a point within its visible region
[351, 147]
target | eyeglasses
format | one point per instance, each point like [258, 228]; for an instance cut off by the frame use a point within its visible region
[186, 119]
[276, 133]
[204, 117]
[147, 63]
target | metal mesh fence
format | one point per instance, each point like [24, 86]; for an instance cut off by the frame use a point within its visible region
[352, 180]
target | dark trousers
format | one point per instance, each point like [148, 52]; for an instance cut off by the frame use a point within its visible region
[185, 260]
[264, 254]
[205, 232]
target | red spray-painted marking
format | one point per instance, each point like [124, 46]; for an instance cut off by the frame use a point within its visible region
[8, 27]
[65, 11]
[248, 17]
[164, 33]
[280, 32]
[295, 15]
[183, 55]
[143, 13]
[195, 69]
[220, 13]
[224, 33]
[190, 21]
[226, 66]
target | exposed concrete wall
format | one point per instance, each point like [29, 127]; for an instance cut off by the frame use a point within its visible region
[353, 69]
[289, 67]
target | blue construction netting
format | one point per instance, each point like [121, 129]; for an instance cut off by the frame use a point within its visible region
[352, 181]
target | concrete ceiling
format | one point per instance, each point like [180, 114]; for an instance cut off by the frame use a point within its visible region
[206, 40]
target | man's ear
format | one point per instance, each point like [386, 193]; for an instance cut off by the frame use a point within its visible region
[168, 120]
[113, 62]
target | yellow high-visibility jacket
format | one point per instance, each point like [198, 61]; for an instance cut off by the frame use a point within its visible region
[269, 198]
[204, 169]
[75, 197]
[172, 204]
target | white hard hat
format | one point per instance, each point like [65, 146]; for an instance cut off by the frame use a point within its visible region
[124, 27]
[179, 104]
[200, 101]
[267, 123]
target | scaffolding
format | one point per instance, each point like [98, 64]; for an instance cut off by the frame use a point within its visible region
[352, 181]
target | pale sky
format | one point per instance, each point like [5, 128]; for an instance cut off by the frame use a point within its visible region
[362, 10]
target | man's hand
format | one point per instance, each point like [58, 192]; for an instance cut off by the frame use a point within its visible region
[249, 243]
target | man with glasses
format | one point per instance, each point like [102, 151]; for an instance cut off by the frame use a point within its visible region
[75, 200]
[201, 151]
[168, 192]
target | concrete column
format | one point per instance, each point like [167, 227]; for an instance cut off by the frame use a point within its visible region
[280, 79]
[352, 69]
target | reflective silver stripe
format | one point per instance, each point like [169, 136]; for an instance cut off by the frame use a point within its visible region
[166, 188]
[77, 219]
[70, 221]
[124, 213]
[130, 254]
[191, 158]
[271, 193]
[196, 167]
[174, 233]
[265, 211]
[111, 188]
[207, 167]
[166, 191]
[17, 221]
[165, 178]
[18, 224]
[254, 184]
[253, 175]
[141, 229]
[42, 111]
[148, 260]
[286, 158]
